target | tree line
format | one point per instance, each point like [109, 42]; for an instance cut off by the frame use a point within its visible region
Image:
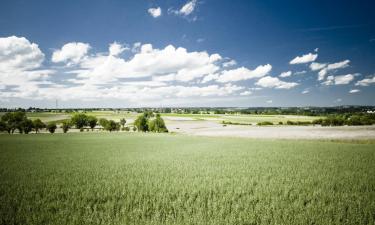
[18, 121]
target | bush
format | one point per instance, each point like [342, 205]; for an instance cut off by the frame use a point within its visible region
[66, 126]
[51, 127]
[157, 125]
[264, 123]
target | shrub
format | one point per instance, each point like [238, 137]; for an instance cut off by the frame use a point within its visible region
[66, 126]
[264, 123]
[51, 127]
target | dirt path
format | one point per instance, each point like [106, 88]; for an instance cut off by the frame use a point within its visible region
[211, 128]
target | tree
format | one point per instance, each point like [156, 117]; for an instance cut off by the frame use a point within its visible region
[80, 120]
[157, 125]
[112, 126]
[141, 122]
[66, 125]
[14, 120]
[38, 124]
[3, 126]
[28, 126]
[92, 122]
[51, 127]
[103, 122]
[123, 122]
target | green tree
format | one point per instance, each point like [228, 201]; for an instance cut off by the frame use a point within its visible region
[92, 121]
[123, 122]
[141, 123]
[38, 125]
[28, 126]
[14, 120]
[66, 124]
[51, 127]
[103, 122]
[112, 126]
[157, 125]
[80, 120]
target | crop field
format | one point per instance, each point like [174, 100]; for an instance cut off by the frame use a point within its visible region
[132, 178]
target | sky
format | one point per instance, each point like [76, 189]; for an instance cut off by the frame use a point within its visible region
[186, 53]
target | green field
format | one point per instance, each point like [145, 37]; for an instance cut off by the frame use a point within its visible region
[124, 178]
[117, 115]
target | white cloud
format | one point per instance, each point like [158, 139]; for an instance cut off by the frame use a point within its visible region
[155, 12]
[317, 66]
[322, 73]
[149, 62]
[339, 80]
[245, 93]
[306, 91]
[325, 67]
[304, 59]
[274, 82]
[72, 53]
[343, 79]
[243, 73]
[285, 74]
[269, 101]
[338, 65]
[366, 81]
[300, 72]
[352, 91]
[230, 63]
[188, 8]
[116, 49]
[20, 67]
[17, 53]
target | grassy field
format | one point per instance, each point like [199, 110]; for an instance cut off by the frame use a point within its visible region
[123, 178]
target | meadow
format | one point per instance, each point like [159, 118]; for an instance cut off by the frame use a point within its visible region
[136, 178]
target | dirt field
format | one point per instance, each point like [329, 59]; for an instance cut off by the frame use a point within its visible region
[211, 128]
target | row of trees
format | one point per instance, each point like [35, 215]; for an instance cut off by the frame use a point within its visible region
[147, 121]
[12, 121]
[347, 119]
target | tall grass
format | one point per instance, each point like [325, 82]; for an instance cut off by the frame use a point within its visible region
[171, 179]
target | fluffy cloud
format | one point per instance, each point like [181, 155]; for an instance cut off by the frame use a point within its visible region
[155, 12]
[274, 82]
[188, 8]
[325, 67]
[285, 74]
[304, 59]
[17, 53]
[339, 80]
[20, 66]
[366, 81]
[72, 53]
[317, 66]
[243, 73]
[116, 49]
[306, 91]
[149, 73]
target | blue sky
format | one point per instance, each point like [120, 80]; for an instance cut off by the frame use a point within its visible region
[221, 53]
